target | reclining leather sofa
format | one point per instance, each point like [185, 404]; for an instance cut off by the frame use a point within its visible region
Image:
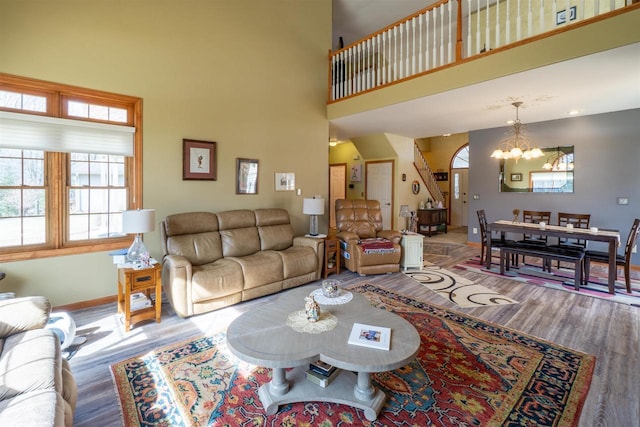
[36, 384]
[366, 247]
[213, 260]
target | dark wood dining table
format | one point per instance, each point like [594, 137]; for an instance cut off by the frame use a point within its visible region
[612, 238]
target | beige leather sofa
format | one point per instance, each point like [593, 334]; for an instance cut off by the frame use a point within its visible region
[213, 260]
[36, 384]
[361, 220]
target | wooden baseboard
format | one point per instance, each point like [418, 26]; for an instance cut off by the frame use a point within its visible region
[86, 304]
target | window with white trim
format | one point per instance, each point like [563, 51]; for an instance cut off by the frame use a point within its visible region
[70, 164]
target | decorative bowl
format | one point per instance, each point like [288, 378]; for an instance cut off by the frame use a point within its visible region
[330, 288]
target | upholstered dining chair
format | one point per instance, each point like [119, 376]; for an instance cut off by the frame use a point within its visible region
[622, 260]
[495, 242]
[365, 247]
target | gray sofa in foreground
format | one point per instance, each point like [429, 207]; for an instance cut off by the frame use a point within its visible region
[36, 384]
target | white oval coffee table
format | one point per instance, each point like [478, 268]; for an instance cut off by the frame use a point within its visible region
[263, 338]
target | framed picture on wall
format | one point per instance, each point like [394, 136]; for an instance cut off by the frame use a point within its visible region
[198, 160]
[285, 181]
[246, 176]
[516, 177]
[356, 172]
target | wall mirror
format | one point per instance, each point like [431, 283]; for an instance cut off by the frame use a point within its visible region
[551, 173]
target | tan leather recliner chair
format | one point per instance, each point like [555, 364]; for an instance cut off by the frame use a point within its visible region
[362, 219]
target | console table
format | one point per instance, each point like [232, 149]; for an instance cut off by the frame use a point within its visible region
[431, 217]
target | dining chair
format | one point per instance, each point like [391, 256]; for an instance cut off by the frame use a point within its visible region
[578, 221]
[495, 242]
[536, 217]
[622, 260]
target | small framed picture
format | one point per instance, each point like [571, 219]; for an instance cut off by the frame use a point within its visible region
[198, 160]
[285, 181]
[246, 176]
[561, 16]
[356, 172]
[516, 177]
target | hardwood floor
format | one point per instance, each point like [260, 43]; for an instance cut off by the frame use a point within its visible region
[608, 330]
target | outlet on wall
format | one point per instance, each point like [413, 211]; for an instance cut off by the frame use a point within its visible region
[634, 249]
[475, 230]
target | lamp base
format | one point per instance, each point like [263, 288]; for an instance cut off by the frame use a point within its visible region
[313, 227]
[137, 251]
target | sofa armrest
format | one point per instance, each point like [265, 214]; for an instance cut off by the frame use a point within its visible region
[394, 235]
[348, 236]
[311, 242]
[23, 314]
[176, 282]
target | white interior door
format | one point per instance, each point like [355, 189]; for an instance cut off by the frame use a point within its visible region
[337, 189]
[379, 183]
[459, 197]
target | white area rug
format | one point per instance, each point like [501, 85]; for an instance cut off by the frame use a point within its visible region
[457, 289]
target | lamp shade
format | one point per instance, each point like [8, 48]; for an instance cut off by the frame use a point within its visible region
[404, 211]
[138, 221]
[313, 206]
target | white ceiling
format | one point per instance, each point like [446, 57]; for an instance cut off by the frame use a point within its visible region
[604, 82]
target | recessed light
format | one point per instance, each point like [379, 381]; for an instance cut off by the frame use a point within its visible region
[446, 135]
[574, 112]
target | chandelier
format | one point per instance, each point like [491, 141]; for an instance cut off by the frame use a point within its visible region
[516, 146]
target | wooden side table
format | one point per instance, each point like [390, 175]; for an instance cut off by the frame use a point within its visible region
[145, 280]
[331, 256]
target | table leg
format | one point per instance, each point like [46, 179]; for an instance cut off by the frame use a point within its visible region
[363, 389]
[487, 238]
[271, 394]
[279, 384]
[613, 268]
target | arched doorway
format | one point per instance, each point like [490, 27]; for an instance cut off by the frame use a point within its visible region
[459, 184]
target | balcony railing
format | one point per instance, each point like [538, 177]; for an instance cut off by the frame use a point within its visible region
[450, 31]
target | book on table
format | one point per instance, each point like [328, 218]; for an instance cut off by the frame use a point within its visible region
[322, 368]
[370, 336]
[320, 379]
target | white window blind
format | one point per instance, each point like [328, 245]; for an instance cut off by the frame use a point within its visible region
[33, 132]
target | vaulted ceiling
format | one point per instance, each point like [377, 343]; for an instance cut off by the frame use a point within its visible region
[592, 84]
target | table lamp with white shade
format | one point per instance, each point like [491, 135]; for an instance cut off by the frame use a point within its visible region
[313, 207]
[405, 213]
[138, 221]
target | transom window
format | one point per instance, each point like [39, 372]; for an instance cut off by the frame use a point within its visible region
[69, 166]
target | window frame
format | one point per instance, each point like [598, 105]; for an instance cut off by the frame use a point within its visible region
[57, 167]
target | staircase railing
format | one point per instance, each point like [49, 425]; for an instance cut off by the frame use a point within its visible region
[425, 40]
[426, 174]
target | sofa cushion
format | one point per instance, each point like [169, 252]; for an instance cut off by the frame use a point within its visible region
[261, 268]
[218, 279]
[274, 228]
[21, 314]
[298, 260]
[199, 249]
[41, 408]
[240, 242]
[30, 361]
[190, 223]
[275, 237]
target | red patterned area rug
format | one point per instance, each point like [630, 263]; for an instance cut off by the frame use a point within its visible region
[467, 373]
[562, 278]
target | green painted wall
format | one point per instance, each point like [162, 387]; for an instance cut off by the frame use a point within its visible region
[250, 75]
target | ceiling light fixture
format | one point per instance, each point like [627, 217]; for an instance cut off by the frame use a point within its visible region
[517, 146]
